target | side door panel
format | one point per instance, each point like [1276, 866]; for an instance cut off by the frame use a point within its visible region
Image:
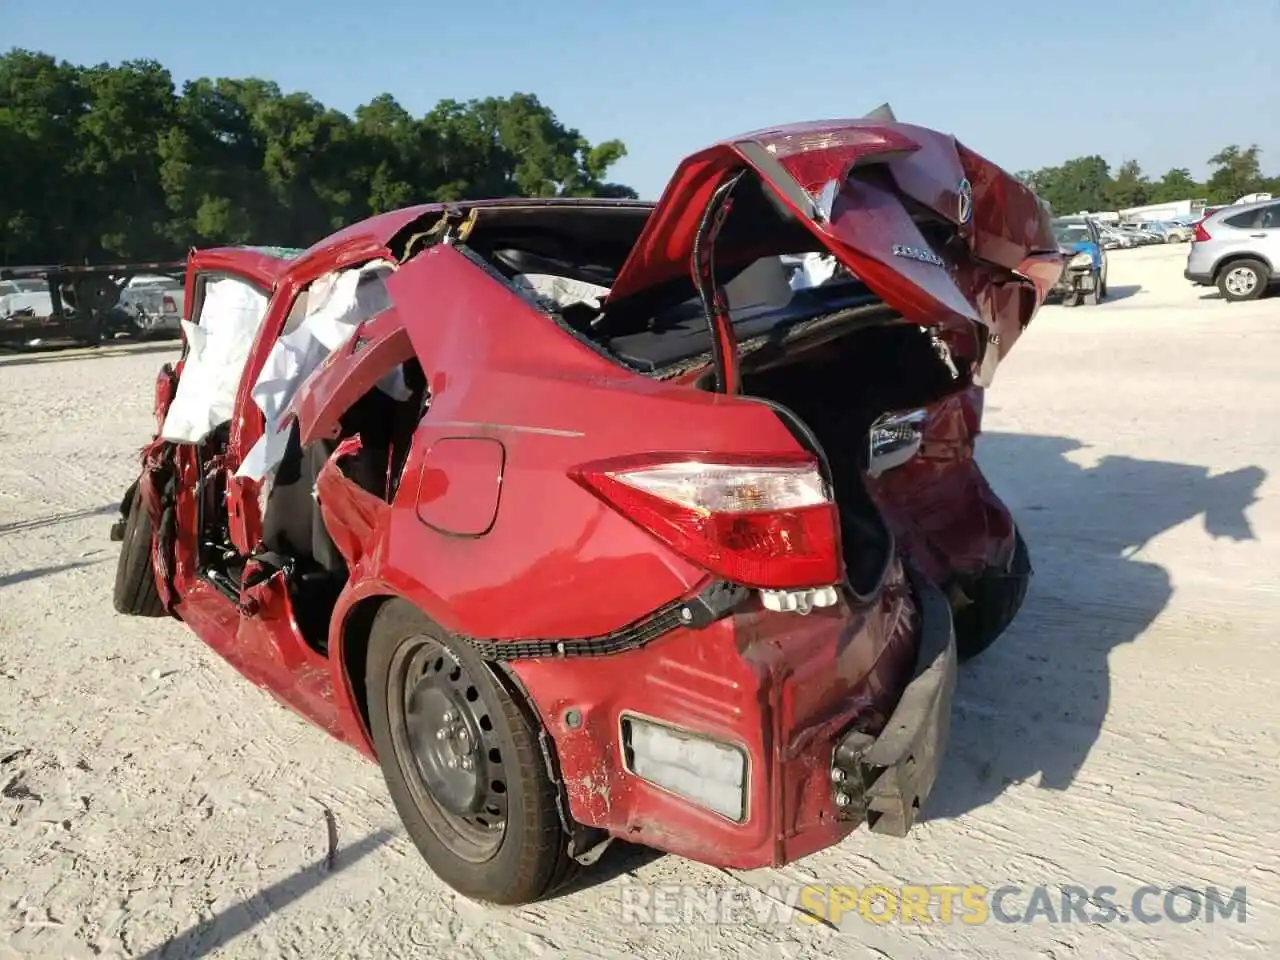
[268, 621]
[193, 460]
[243, 494]
[1234, 235]
[1269, 227]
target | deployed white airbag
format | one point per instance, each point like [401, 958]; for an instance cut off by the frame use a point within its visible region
[218, 349]
[561, 292]
[815, 269]
[333, 314]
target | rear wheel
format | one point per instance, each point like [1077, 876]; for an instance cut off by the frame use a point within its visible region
[460, 754]
[994, 600]
[1243, 280]
[135, 591]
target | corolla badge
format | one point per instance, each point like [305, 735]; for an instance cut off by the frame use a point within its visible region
[915, 253]
[964, 201]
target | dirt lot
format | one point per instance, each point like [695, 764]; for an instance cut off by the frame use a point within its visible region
[154, 804]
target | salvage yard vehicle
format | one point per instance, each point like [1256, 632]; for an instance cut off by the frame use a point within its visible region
[85, 304]
[1084, 279]
[154, 301]
[27, 297]
[584, 525]
[1237, 250]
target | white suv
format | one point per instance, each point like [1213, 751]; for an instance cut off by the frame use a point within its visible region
[1237, 249]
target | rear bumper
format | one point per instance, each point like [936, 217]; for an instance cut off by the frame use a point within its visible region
[883, 781]
[1198, 277]
[842, 717]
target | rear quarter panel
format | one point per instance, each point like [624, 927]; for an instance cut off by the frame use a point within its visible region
[556, 562]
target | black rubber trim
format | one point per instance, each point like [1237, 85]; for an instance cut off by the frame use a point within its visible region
[885, 779]
[715, 602]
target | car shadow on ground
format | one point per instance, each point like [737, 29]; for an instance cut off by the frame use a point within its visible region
[1216, 295]
[56, 519]
[1122, 291]
[21, 357]
[1032, 707]
[209, 936]
[35, 573]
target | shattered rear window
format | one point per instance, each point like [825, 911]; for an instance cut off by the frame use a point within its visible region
[280, 253]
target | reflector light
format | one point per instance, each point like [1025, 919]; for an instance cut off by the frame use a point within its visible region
[702, 770]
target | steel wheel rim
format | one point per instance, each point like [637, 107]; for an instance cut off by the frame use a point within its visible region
[1241, 281]
[464, 803]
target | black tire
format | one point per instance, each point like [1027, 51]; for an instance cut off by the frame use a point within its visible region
[995, 599]
[527, 858]
[1233, 282]
[135, 591]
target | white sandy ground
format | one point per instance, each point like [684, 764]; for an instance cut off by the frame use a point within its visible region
[153, 803]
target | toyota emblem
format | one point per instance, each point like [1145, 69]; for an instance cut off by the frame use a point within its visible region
[964, 201]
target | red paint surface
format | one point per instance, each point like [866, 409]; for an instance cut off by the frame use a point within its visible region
[555, 562]
[460, 484]
[943, 513]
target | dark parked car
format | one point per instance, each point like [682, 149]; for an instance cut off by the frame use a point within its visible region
[584, 524]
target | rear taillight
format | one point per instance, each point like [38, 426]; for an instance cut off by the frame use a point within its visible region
[760, 522]
[168, 304]
[1201, 235]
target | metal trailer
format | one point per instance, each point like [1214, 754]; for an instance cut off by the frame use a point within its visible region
[85, 303]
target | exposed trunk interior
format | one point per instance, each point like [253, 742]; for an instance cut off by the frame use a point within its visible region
[838, 389]
[664, 331]
[834, 354]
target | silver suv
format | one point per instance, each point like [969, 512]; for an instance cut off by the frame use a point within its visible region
[1237, 249]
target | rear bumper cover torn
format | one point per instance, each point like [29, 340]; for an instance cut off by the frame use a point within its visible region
[884, 780]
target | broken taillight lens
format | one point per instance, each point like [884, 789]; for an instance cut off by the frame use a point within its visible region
[759, 522]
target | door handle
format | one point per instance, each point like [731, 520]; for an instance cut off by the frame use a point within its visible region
[1258, 236]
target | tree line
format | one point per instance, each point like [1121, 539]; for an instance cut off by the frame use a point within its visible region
[113, 163]
[1086, 183]
[108, 163]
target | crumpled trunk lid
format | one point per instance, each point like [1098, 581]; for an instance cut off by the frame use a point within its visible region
[867, 191]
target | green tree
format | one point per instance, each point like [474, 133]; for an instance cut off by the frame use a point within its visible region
[112, 162]
[1176, 184]
[1079, 184]
[1130, 188]
[1238, 172]
[1086, 183]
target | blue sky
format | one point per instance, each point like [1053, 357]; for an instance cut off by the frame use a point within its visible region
[1168, 82]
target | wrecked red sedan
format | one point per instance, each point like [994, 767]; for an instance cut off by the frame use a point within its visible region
[586, 521]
